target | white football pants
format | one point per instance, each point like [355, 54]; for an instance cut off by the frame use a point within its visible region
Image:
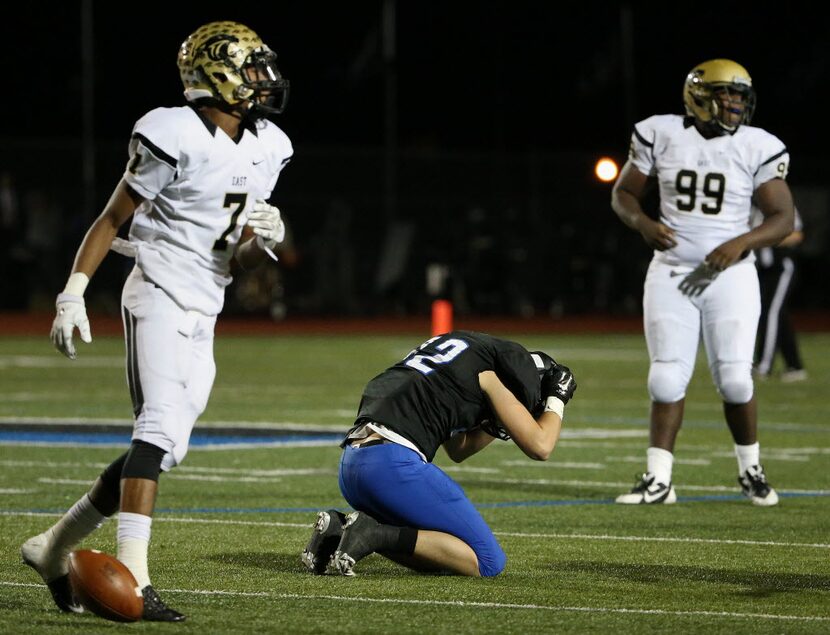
[170, 367]
[726, 313]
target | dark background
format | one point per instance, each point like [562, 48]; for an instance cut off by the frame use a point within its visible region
[473, 148]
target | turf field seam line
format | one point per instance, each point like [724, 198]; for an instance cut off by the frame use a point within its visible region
[614, 484]
[215, 447]
[714, 541]
[213, 521]
[209, 521]
[314, 471]
[482, 605]
[308, 525]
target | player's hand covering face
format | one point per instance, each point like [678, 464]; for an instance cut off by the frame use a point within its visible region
[558, 381]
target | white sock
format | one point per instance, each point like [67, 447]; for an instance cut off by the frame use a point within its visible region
[76, 524]
[748, 455]
[133, 543]
[659, 462]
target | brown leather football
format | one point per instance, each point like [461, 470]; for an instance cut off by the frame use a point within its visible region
[105, 586]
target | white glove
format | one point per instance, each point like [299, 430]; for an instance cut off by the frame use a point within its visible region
[266, 222]
[71, 314]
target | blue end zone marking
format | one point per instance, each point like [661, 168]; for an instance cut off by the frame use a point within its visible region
[111, 438]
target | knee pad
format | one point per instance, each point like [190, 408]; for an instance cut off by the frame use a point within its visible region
[143, 460]
[493, 564]
[734, 380]
[667, 381]
[111, 477]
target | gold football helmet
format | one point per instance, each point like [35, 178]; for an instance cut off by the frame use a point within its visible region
[229, 65]
[719, 93]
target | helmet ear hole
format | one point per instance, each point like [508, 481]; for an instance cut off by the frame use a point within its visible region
[220, 77]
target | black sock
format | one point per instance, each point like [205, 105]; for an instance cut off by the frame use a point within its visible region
[396, 539]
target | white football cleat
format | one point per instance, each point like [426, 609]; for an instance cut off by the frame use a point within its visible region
[755, 487]
[648, 492]
[53, 570]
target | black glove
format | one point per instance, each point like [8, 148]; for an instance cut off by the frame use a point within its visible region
[558, 381]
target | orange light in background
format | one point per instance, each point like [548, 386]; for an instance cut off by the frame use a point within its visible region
[606, 170]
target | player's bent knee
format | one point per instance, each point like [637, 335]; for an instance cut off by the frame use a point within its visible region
[143, 460]
[735, 383]
[667, 382]
[491, 564]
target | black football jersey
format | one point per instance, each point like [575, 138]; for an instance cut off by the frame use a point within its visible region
[434, 391]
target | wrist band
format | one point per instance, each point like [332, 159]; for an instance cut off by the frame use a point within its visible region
[76, 285]
[555, 404]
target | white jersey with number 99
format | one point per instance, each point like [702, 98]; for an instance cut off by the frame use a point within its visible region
[706, 185]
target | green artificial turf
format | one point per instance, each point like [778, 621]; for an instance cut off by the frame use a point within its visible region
[231, 523]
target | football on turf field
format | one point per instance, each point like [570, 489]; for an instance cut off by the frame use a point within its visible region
[105, 586]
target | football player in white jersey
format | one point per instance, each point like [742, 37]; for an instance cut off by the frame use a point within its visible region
[710, 166]
[195, 187]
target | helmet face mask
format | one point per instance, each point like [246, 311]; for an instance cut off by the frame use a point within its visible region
[719, 95]
[226, 64]
[264, 86]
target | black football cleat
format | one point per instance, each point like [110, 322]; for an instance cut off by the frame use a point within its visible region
[155, 610]
[357, 542]
[62, 595]
[328, 528]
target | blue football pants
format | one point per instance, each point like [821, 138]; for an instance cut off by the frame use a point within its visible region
[395, 486]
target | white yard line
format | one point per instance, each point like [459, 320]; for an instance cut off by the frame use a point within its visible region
[478, 605]
[713, 541]
[641, 459]
[554, 464]
[43, 361]
[128, 423]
